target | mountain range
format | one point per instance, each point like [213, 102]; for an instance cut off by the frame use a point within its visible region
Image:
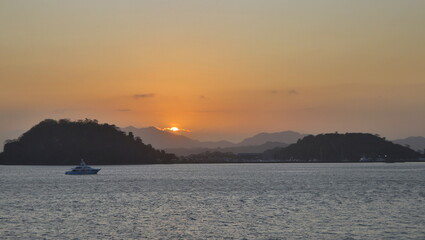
[415, 143]
[183, 145]
[56, 142]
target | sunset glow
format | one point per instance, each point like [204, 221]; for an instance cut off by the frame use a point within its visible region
[225, 70]
[212, 119]
[174, 129]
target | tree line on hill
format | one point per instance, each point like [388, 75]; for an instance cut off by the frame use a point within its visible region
[334, 147]
[65, 142]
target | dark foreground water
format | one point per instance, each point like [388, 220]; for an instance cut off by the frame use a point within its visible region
[215, 201]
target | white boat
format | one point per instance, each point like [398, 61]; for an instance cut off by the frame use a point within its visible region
[82, 169]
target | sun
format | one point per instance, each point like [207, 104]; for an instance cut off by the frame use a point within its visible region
[174, 129]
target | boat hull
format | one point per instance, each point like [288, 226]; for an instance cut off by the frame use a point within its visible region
[85, 172]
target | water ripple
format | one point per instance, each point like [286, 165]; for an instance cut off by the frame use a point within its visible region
[217, 201]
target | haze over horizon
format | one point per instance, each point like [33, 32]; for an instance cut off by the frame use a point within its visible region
[224, 70]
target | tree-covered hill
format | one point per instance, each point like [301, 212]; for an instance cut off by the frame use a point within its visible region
[343, 147]
[65, 142]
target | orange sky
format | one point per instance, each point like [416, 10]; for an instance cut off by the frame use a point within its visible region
[223, 69]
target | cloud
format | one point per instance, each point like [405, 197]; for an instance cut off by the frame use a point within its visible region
[282, 92]
[144, 95]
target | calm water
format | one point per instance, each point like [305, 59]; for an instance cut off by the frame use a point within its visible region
[216, 201]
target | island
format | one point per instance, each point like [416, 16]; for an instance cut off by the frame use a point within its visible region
[65, 142]
[348, 147]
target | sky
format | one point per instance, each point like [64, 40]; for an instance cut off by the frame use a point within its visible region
[223, 69]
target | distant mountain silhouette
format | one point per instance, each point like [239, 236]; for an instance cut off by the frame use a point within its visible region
[343, 147]
[161, 139]
[165, 139]
[168, 140]
[262, 138]
[415, 143]
[238, 149]
[65, 142]
[217, 144]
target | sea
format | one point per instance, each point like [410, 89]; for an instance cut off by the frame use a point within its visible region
[215, 201]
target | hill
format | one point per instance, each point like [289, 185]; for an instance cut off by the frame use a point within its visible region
[64, 142]
[160, 139]
[415, 143]
[343, 147]
[185, 145]
[165, 140]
